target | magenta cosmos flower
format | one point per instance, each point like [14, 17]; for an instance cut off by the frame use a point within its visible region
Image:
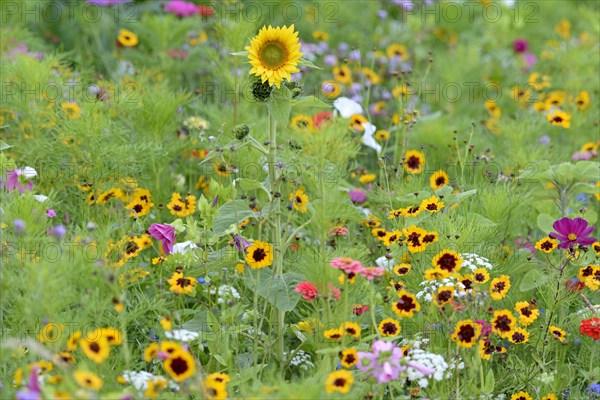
[165, 233]
[308, 290]
[182, 8]
[571, 232]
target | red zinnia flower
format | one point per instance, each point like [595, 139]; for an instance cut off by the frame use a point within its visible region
[308, 290]
[590, 327]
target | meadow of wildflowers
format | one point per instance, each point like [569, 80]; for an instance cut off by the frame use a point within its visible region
[300, 200]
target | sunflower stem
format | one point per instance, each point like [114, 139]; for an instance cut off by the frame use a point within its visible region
[276, 232]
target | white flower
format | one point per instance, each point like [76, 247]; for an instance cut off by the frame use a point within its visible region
[183, 247]
[182, 335]
[40, 197]
[28, 173]
[368, 139]
[383, 262]
[347, 107]
[474, 261]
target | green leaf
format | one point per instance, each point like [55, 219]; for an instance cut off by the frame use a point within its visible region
[251, 184]
[278, 290]
[240, 53]
[534, 278]
[4, 146]
[544, 222]
[280, 105]
[480, 220]
[310, 101]
[338, 210]
[306, 63]
[245, 374]
[490, 382]
[231, 213]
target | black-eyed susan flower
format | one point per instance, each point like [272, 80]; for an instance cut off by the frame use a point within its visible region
[140, 203]
[559, 118]
[274, 54]
[371, 77]
[546, 244]
[180, 284]
[66, 357]
[110, 194]
[499, 287]
[50, 332]
[112, 335]
[221, 168]
[481, 275]
[95, 346]
[151, 352]
[582, 101]
[302, 122]
[339, 381]
[342, 74]
[439, 179]
[180, 365]
[127, 38]
[518, 336]
[447, 262]
[379, 233]
[373, 222]
[299, 199]
[259, 255]
[432, 204]
[182, 208]
[503, 323]
[527, 313]
[521, 396]
[382, 135]
[218, 377]
[401, 269]
[414, 162]
[88, 380]
[351, 329]
[557, 333]
[391, 238]
[389, 327]
[443, 295]
[407, 305]
[357, 121]
[466, 333]
[333, 334]
[414, 238]
[348, 358]
[432, 274]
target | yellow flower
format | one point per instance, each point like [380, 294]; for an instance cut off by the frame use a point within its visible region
[550, 396]
[432, 204]
[333, 334]
[443, 295]
[182, 208]
[493, 109]
[401, 269]
[546, 244]
[466, 333]
[348, 358]
[151, 352]
[127, 38]
[438, 180]
[214, 390]
[583, 101]
[407, 305]
[95, 346]
[71, 110]
[371, 76]
[389, 327]
[367, 178]
[342, 74]
[414, 162]
[357, 121]
[299, 199]
[382, 135]
[481, 275]
[180, 365]
[557, 333]
[351, 329]
[397, 50]
[88, 380]
[559, 118]
[274, 54]
[499, 287]
[519, 336]
[563, 28]
[180, 284]
[331, 89]
[166, 323]
[259, 255]
[447, 262]
[321, 36]
[218, 377]
[527, 313]
[339, 381]
[503, 323]
[521, 396]
[302, 122]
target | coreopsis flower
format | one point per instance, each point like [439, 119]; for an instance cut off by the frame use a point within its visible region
[88, 380]
[259, 255]
[333, 334]
[546, 244]
[432, 204]
[127, 38]
[348, 358]
[499, 287]
[487, 348]
[71, 110]
[447, 262]
[180, 365]
[308, 290]
[583, 101]
[342, 74]
[180, 284]
[414, 162]
[559, 118]
[95, 346]
[521, 396]
[443, 295]
[339, 381]
[407, 305]
[503, 323]
[299, 200]
[401, 269]
[571, 232]
[438, 180]
[165, 234]
[274, 54]
[182, 208]
[389, 327]
[466, 333]
[481, 275]
[527, 313]
[518, 336]
[590, 327]
[351, 329]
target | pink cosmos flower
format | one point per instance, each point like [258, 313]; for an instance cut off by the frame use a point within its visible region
[371, 272]
[571, 232]
[13, 180]
[165, 233]
[308, 290]
[339, 231]
[182, 8]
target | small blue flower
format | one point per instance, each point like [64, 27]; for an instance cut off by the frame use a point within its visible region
[566, 394]
[201, 281]
[153, 335]
[594, 388]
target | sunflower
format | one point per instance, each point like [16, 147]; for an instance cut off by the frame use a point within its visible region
[180, 284]
[432, 204]
[274, 54]
[503, 323]
[95, 346]
[397, 50]
[481, 275]
[259, 255]
[182, 208]
[414, 162]
[401, 269]
[127, 38]
[519, 336]
[559, 118]
[342, 74]
[583, 101]
[527, 314]
[180, 365]
[466, 333]
[389, 327]
[521, 396]
[444, 294]
[88, 380]
[302, 122]
[331, 89]
[351, 329]
[407, 306]
[299, 199]
[546, 244]
[499, 287]
[151, 352]
[348, 358]
[339, 381]
[557, 333]
[447, 262]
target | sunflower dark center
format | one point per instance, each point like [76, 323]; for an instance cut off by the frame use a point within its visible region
[273, 55]
[432, 207]
[445, 296]
[499, 287]
[518, 337]
[350, 359]
[526, 311]
[440, 181]
[558, 119]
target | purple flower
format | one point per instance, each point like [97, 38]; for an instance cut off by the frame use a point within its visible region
[486, 327]
[50, 213]
[571, 232]
[330, 59]
[545, 139]
[358, 196]
[57, 231]
[241, 243]
[33, 390]
[524, 244]
[165, 233]
[520, 45]
[530, 60]
[13, 181]
[354, 55]
[182, 8]
[107, 3]
[382, 14]
[19, 225]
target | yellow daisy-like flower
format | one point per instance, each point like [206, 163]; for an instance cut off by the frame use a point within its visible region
[367, 178]
[546, 244]
[302, 123]
[557, 333]
[218, 377]
[397, 50]
[521, 396]
[373, 222]
[583, 101]
[481, 275]
[519, 336]
[333, 334]
[71, 110]
[466, 333]
[274, 54]
[438, 180]
[432, 204]
[299, 199]
[348, 358]
[180, 284]
[527, 313]
[503, 323]
[499, 287]
[151, 352]
[88, 380]
[371, 76]
[382, 135]
[391, 238]
[401, 269]
[444, 294]
[259, 255]
[182, 208]
[550, 396]
[339, 381]
[95, 346]
[559, 118]
[180, 365]
[389, 327]
[351, 329]
[331, 89]
[127, 38]
[447, 262]
[342, 74]
[214, 390]
[414, 162]
[493, 109]
[318, 35]
[407, 306]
